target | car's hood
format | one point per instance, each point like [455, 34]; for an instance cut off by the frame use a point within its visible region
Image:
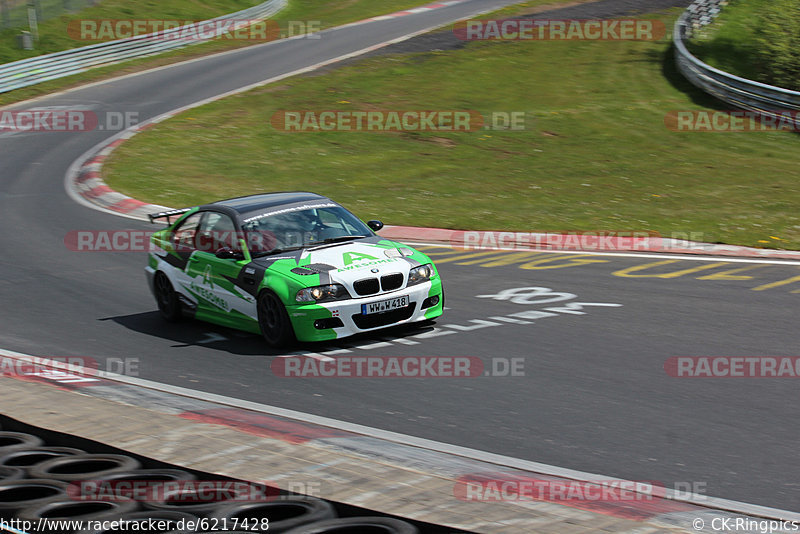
[366, 261]
[347, 262]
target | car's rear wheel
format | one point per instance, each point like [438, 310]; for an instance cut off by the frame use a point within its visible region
[274, 321]
[167, 298]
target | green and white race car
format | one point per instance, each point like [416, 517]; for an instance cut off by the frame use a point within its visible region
[288, 266]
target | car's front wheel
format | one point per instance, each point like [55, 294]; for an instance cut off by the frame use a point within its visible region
[167, 298]
[274, 321]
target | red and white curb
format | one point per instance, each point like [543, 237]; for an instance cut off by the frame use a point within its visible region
[421, 9]
[577, 242]
[88, 184]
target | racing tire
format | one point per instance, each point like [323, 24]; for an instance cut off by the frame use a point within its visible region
[29, 457]
[169, 306]
[274, 321]
[151, 475]
[201, 500]
[283, 513]
[170, 520]
[83, 467]
[11, 441]
[151, 480]
[77, 511]
[7, 474]
[357, 525]
[16, 495]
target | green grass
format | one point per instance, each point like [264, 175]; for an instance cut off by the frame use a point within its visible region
[53, 35]
[729, 42]
[595, 155]
[754, 39]
[54, 32]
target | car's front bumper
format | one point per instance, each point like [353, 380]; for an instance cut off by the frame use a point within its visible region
[312, 322]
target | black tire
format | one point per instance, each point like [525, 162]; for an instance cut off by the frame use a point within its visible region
[16, 495]
[8, 474]
[152, 475]
[27, 458]
[148, 482]
[84, 467]
[196, 498]
[357, 525]
[274, 321]
[68, 510]
[169, 306]
[10, 441]
[172, 520]
[283, 513]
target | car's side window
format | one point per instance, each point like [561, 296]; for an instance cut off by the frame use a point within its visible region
[217, 231]
[184, 238]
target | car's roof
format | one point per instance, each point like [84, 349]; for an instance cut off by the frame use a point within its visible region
[256, 203]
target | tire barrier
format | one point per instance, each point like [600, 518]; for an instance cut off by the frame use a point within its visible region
[7, 474]
[150, 475]
[171, 522]
[25, 459]
[283, 514]
[84, 467]
[357, 525]
[202, 500]
[75, 511]
[16, 495]
[10, 441]
[67, 484]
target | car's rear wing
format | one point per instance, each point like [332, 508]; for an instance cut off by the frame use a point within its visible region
[167, 214]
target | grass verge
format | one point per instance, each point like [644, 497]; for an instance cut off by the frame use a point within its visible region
[595, 153]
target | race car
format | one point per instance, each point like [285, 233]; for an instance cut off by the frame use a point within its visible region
[289, 266]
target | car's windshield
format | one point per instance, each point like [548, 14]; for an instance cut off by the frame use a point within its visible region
[285, 230]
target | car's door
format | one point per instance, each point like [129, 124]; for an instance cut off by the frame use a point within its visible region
[214, 278]
[183, 247]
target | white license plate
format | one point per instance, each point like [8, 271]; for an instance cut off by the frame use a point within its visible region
[384, 305]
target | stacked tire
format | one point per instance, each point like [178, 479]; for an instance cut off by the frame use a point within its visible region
[39, 481]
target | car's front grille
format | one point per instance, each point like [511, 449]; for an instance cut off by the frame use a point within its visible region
[391, 281]
[367, 286]
[382, 319]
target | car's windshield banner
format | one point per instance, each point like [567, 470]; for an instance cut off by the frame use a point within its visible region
[300, 207]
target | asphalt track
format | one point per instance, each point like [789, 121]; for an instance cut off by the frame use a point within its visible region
[594, 395]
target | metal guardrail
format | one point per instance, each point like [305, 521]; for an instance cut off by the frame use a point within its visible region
[740, 92]
[40, 69]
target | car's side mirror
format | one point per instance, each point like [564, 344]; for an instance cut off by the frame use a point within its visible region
[226, 253]
[375, 225]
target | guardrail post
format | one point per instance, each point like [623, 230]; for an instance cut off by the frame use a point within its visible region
[33, 19]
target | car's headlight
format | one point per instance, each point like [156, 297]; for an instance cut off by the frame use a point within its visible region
[420, 274]
[322, 293]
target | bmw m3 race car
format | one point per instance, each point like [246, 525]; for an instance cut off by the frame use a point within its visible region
[288, 266]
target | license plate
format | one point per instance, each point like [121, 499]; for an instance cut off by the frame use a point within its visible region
[384, 305]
